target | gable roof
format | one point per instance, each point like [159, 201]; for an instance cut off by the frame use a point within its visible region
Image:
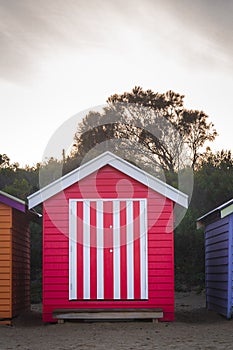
[116, 162]
[218, 213]
[12, 201]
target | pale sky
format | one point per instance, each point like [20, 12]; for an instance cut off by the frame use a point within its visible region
[61, 57]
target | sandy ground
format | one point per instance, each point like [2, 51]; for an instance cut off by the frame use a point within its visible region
[194, 328]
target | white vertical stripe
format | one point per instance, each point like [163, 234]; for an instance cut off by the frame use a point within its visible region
[143, 250]
[116, 250]
[130, 249]
[72, 250]
[86, 249]
[100, 246]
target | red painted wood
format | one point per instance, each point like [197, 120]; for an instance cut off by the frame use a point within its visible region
[123, 261]
[108, 250]
[80, 250]
[93, 263]
[108, 183]
[136, 218]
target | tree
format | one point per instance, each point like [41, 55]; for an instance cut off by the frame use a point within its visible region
[189, 253]
[157, 123]
[20, 188]
[4, 161]
[213, 183]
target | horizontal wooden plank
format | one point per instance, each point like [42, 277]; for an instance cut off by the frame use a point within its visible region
[160, 264]
[222, 236]
[58, 237]
[5, 263]
[159, 269]
[5, 244]
[57, 245]
[157, 236]
[51, 273]
[5, 273]
[6, 307]
[217, 285]
[221, 277]
[5, 250]
[54, 287]
[56, 280]
[5, 314]
[215, 293]
[169, 286]
[56, 259]
[216, 269]
[163, 258]
[5, 225]
[5, 301]
[57, 266]
[217, 261]
[5, 294]
[5, 237]
[110, 314]
[216, 301]
[216, 253]
[56, 251]
[217, 246]
[218, 223]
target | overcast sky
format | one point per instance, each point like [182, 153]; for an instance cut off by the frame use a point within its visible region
[60, 57]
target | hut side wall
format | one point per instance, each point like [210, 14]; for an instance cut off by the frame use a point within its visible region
[231, 266]
[217, 266]
[20, 262]
[108, 183]
[5, 264]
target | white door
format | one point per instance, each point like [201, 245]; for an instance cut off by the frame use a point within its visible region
[108, 249]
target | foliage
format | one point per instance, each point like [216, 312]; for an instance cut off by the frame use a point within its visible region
[189, 253]
[20, 188]
[151, 125]
[213, 181]
[36, 261]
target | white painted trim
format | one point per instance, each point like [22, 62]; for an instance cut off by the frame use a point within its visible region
[100, 246]
[72, 251]
[116, 250]
[99, 251]
[227, 211]
[222, 209]
[117, 163]
[86, 249]
[130, 249]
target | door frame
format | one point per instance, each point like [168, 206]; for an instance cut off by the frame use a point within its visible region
[73, 248]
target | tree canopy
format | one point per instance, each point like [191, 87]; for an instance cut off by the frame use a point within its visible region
[167, 133]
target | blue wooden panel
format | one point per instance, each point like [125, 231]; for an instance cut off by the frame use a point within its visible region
[217, 246]
[217, 293]
[217, 261]
[221, 253]
[221, 309]
[221, 277]
[217, 265]
[230, 287]
[214, 226]
[220, 285]
[216, 269]
[215, 239]
[218, 302]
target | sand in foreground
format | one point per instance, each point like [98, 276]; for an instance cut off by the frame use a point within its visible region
[194, 328]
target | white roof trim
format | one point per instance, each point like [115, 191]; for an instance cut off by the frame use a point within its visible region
[117, 163]
[220, 209]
